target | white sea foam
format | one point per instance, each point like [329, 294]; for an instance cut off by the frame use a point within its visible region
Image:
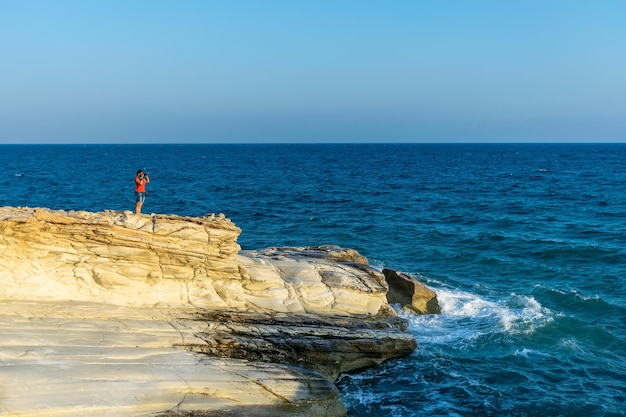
[523, 352]
[571, 344]
[466, 316]
[464, 304]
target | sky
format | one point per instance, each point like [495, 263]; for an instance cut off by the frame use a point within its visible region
[248, 71]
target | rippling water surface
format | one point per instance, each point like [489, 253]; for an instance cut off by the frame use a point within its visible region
[524, 244]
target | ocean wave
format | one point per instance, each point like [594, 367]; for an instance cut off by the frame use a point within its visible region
[467, 316]
[525, 352]
[586, 305]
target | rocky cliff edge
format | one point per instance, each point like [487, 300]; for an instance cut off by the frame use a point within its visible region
[119, 314]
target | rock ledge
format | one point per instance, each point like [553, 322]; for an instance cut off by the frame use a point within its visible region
[117, 314]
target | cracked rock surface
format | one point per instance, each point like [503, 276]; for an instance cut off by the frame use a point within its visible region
[86, 359]
[117, 314]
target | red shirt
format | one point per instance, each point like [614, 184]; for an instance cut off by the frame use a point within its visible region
[140, 185]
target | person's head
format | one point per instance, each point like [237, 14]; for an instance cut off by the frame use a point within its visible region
[140, 173]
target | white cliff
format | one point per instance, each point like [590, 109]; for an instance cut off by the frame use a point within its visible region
[117, 314]
[124, 259]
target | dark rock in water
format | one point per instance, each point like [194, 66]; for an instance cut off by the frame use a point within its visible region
[410, 293]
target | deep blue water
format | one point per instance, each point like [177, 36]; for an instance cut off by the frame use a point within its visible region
[524, 244]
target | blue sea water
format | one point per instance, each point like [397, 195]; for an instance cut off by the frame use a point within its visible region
[525, 245]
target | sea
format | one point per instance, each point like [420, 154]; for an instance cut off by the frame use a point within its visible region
[524, 244]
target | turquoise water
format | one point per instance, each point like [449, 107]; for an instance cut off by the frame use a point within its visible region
[524, 244]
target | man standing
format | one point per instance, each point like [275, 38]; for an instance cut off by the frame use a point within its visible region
[140, 189]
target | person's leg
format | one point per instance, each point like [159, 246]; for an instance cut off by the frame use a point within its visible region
[139, 199]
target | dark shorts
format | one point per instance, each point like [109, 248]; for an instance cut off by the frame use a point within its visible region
[140, 197]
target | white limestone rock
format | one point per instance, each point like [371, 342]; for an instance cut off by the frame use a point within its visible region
[118, 314]
[85, 359]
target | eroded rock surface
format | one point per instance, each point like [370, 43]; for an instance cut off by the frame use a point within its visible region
[326, 344]
[315, 280]
[77, 359]
[117, 257]
[126, 259]
[117, 314]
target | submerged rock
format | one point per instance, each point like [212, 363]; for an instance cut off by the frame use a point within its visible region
[114, 313]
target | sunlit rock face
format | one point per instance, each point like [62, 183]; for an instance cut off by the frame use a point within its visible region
[118, 314]
[125, 259]
[318, 280]
[117, 257]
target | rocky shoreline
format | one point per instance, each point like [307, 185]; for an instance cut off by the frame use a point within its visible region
[117, 314]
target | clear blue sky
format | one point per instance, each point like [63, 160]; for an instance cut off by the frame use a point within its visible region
[132, 71]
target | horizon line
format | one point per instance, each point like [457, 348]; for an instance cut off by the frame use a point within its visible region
[325, 143]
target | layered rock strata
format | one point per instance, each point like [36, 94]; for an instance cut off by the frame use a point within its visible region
[325, 344]
[77, 359]
[120, 314]
[118, 258]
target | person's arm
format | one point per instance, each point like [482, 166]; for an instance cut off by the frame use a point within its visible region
[146, 178]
